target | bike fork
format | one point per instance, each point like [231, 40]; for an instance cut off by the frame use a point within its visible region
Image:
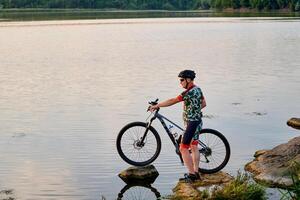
[146, 131]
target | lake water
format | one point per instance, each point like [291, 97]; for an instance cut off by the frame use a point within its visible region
[68, 87]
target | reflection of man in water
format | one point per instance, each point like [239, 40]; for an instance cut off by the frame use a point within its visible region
[194, 101]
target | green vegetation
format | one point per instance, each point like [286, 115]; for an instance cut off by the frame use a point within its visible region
[293, 5]
[293, 192]
[241, 188]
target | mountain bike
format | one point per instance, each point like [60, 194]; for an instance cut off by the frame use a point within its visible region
[139, 144]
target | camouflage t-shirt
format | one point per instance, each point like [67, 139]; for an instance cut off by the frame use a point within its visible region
[192, 98]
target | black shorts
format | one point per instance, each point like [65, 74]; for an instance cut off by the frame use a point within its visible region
[190, 131]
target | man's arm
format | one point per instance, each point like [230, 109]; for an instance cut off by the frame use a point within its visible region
[166, 103]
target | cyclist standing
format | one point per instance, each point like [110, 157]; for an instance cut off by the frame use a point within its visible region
[194, 101]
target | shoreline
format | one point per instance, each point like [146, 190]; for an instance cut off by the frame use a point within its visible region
[11, 15]
[225, 10]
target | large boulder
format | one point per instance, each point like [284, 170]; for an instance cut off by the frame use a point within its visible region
[294, 122]
[146, 174]
[191, 191]
[274, 167]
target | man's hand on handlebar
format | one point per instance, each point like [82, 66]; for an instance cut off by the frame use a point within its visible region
[153, 108]
[153, 105]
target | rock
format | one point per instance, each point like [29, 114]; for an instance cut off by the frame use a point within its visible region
[260, 152]
[146, 174]
[257, 113]
[191, 191]
[274, 167]
[294, 122]
[214, 179]
[6, 192]
[7, 195]
[186, 191]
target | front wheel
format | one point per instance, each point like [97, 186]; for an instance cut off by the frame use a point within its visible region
[132, 149]
[214, 151]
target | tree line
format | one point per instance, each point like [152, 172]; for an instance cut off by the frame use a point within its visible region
[293, 5]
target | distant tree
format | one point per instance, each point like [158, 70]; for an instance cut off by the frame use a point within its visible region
[227, 4]
[297, 6]
[292, 4]
[168, 6]
[260, 5]
[270, 4]
[282, 3]
[253, 3]
[274, 4]
[153, 4]
[257, 4]
[245, 3]
[218, 4]
[150, 6]
[174, 3]
[100, 4]
[131, 5]
[236, 4]
[196, 4]
[57, 4]
[205, 4]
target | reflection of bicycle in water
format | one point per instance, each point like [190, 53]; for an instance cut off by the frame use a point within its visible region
[138, 191]
[139, 144]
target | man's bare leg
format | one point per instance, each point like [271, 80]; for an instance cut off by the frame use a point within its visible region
[195, 157]
[187, 159]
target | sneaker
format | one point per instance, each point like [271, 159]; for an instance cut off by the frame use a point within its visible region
[189, 178]
[197, 174]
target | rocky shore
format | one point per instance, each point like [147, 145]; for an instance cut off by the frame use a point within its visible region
[199, 189]
[274, 167]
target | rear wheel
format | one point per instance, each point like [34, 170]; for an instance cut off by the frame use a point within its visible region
[134, 151]
[214, 151]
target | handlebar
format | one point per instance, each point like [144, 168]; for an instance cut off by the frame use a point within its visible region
[152, 103]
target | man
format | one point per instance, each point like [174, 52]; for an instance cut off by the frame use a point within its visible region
[193, 103]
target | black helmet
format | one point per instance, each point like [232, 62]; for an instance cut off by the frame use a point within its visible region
[187, 74]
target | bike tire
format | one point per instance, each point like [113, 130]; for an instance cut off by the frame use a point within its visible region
[203, 137]
[136, 130]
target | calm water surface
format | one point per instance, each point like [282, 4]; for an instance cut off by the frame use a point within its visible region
[68, 87]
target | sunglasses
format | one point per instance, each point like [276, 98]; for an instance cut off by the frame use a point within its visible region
[182, 79]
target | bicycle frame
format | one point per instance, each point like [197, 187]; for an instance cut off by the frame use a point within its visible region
[161, 118]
